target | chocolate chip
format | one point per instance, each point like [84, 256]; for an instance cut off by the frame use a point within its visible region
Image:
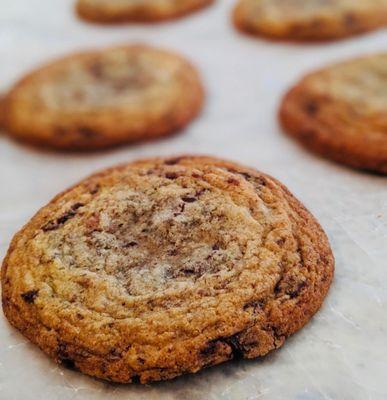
[233, 181]
[232, 341]
[65, 217]
[173, 161]
[171, 175]
[95, 189]
[63, 356]
[30, 296]
[215, 247]
[114, 354]
[52, 225]
[182, 208]
[209, 349]
[189, 199]
[311, 108]
[130, 244]
[294, 292]
[245, 175]
[188, 271]
[290, 286]
[236, 347]
[87, 132]
[278, 287]
[255, 305]
[68, 363]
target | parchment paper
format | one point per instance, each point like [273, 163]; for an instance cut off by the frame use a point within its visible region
[342, 353]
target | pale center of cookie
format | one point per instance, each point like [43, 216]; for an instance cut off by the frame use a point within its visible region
[361, 84]
[118, 77]
[167, 232]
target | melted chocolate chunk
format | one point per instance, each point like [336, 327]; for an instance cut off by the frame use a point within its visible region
[311, 108]
[52, 225]
[64, 358]
[30, 296]
[171, 175]
[233, 181]
[189, 199]
[173, 161]
[130, 244]
[255, 305]
[295, 291]
[232, 341]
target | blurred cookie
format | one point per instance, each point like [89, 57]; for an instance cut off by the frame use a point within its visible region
[166, 266]
[110, 11]
[1, 112]
[341, 112]
[311, 19]
[104, 98]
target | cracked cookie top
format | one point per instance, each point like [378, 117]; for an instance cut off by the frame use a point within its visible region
[168, 264]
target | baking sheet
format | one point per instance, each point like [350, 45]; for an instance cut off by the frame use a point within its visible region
[342, 352]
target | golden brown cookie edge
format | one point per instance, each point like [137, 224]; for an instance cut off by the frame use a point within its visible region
[95, 15]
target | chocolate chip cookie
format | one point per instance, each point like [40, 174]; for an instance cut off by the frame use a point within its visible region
[104, 98]
[309, 20]
[340, 112]
[112, 11]
[166, 266]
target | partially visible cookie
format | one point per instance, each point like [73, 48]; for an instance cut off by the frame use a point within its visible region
[166, 266]
[2, 113]
[98, 99]
[109, 11]
[311, 19]
[341, 112]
